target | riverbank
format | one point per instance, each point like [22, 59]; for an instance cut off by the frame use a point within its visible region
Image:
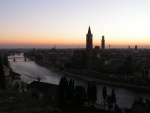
[31, 70]
[65, 73]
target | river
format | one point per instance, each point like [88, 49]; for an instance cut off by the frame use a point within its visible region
[30, 71]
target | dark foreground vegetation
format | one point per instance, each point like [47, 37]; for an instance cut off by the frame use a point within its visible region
[77, 98]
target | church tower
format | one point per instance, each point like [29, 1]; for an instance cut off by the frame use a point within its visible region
[103, 43]
[89, 43]
[89, 47]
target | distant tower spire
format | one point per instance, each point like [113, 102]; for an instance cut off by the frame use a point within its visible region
[103, 43]
[89, 31]
[89, 43]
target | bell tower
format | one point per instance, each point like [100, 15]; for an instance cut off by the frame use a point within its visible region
[103, 43]
[89, 43]
[89, 47]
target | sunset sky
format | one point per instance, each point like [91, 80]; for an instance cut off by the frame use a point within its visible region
[64, 23]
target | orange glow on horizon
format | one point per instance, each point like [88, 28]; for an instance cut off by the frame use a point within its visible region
[67, 44]
[64, 41]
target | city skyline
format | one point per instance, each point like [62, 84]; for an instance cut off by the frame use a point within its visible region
[46, 23]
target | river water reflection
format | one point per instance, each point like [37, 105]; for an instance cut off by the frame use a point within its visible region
[30, 71]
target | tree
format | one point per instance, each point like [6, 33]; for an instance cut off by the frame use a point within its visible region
[104, 95]
[79, 96]
[113, 97]
[5, 60]
[63, 87]
[91, 92]
[95, 93]
[2, 76]
[70, 92]
[109, 102]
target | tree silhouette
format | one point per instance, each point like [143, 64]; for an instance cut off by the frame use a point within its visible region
[79, 96]
[113, 97]
[94, 93]
[91, 93]
[104, 95]
[63, 87]
[2, 76]
[5, 60]
[109, 102]
[70, 91]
